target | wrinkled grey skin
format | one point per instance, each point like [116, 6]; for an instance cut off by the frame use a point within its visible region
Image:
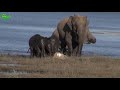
[41, 46]
[73, 32]
[36, 45]
[51, 46]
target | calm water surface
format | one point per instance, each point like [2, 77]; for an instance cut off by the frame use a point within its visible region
[15, 32]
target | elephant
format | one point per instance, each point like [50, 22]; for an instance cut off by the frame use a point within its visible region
[73, 32]
[34, 43]
[37, 45]
[51, 46]
[41, 46]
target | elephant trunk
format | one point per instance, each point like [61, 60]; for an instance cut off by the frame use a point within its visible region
[81, 31]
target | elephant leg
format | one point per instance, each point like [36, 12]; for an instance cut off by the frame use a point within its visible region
[75, 48]
[34, 53]
[68, 40]
[79, 50]
[64, 49]
[39, 52]
[70, 49]
[50, 53]
[43, 51]
[63, 46]
[31, 52]
[75, 51]
[42, 54]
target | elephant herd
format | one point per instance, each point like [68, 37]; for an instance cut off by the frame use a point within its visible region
[68, 38]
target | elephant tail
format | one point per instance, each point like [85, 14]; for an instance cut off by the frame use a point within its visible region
[28, 50]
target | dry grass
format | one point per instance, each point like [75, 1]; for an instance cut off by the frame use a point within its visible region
[72, 67]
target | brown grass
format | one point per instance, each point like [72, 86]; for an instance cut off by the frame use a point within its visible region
[72, 67]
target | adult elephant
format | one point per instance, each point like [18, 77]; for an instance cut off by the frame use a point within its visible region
[73, 32]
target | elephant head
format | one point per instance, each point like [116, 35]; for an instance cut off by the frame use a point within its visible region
[72, 23]
[80, 31]
[76, 23]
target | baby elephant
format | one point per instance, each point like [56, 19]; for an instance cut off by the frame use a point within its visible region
[41, 46]
[36, 45]
[51, 46]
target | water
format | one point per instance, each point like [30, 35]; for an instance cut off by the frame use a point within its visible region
[15, 33]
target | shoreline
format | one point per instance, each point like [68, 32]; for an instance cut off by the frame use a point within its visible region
[83, 55]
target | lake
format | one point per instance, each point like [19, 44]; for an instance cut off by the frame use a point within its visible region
[15, 32]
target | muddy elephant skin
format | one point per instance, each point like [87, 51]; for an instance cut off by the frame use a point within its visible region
[41, 46]
[73, 32]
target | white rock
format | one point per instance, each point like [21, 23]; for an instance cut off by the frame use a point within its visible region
[59, 55]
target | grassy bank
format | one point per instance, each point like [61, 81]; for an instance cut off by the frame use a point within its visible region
[73, 67]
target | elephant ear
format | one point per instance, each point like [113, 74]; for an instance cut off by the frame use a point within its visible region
[69, 23]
